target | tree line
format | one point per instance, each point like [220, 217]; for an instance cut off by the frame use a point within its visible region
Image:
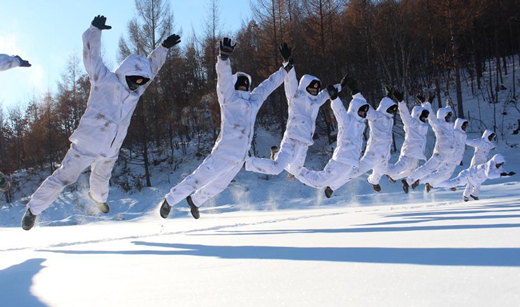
[413, 45]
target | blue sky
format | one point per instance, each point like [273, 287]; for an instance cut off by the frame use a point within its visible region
[46, 33]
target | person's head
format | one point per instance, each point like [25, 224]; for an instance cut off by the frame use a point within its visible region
[488, 135]
[461, 124]
[363, 110]
[445, 114]
[420, 113]
[392, 109]
[242, 83]
[135, 71]
[134, 82]
[310, 85]
[424, 116]
[387, 106]
[498, 160]
[358, 107]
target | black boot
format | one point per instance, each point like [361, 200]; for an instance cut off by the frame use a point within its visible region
[165, 209]
[194, 209]
[415, 184]
[28, 220]
[328, 192]
[405, 186]
[103, 207]
[474, 197]
[465, 198]
[392, 180]
[376, 187]
[453, 189]
[428, 187]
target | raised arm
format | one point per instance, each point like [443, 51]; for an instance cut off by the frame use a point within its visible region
[8, 62]
[92, 60]
[473, 142]
[405, 114]
[290, 84]
[262, 91]
[157, 57]
[339, 112]
[225, 87]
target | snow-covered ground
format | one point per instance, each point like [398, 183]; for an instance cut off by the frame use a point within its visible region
[440, 253]
[269, 241]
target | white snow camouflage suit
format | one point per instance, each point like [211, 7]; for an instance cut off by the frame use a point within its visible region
[474, 176]
[301, 123]
[377, 152]
[238, 111]
[482, 147]
[348, 147]
[412, 150]
[444, 144]
[103, 127]
[8, 62]
[448, 165]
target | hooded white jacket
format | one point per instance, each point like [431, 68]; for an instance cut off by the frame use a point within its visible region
[111, 104]
[238, 111]
[8, 62]
[303, 107]
[482, 147]
[380, 123]
[460, 137]
[415, 132]
[443, 130]
[476, 175]
[350, 129]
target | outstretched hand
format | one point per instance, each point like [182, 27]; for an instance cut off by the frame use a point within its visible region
[285, 51]
[171, 41]
[397, 96]
[99, 22]
[421, 98]
[333, 91]
[226, 48]
[23, 63]
[431, 97]
[349, 85]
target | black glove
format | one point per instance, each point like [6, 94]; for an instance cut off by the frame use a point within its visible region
[431, 97]
[398, 96]
[333, 91]
[507, 174]
[99, 22]
[171, 41]
[23, 63]
[226, 48]
[461, 163]
[389, 92]
[351, 85]
[421, 98]
[285, 51]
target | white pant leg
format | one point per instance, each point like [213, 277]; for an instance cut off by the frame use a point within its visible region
[73, 164]
[379, 169]
[274, 167]
[427, 168]
[101, 171]
[468, 189]
[404, 167]
[461, 179]
[443, 173]
[216, 186]
[321, 179]
[300, 154]
[475, 190]
[211, 168]
[365, 164]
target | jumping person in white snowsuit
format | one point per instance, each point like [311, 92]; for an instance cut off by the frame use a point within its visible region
[474, 176]
[448, 165]
[304, 100]
[239, 108]
[97, 140]
[444, 145]
[351, 125]
[8, 62]
[377, 152]
[412, 150]
[482, 147]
